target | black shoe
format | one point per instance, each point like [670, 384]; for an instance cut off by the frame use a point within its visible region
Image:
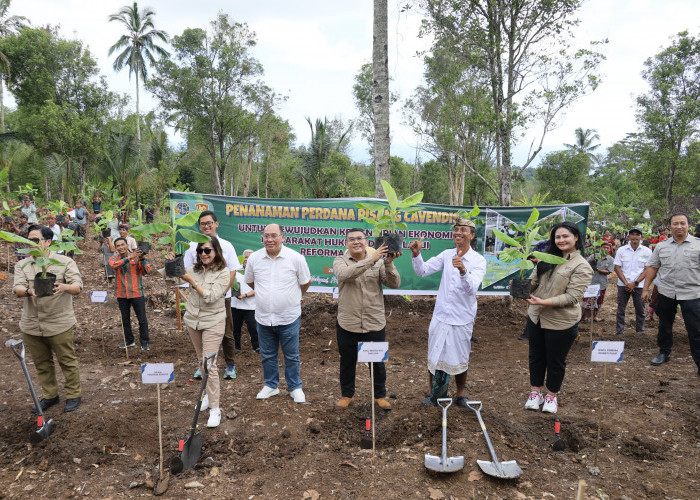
[461, 401]
[130, 344]
[475, 340]
[72, 404]
[257, 349]
[145, 347]
[660, 359]
[45, 404]
[238, 347]
[428, 401]
[523, 337]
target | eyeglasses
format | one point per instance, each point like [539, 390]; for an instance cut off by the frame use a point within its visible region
[35, 240]
[355, 238]
[206, 224]
[207, 250]
[270, 236]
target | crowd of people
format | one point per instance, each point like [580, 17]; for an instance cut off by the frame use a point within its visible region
[266, 290]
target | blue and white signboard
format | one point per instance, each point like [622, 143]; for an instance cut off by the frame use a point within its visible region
[607, 352]
[157, 373]
[372, 352]
[98, 296]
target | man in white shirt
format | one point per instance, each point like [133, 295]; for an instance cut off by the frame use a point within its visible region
[51, 224]
[208, 224]
[630, 260]
[450, 331]
[280, 277]
[243, 310]
[130, 241]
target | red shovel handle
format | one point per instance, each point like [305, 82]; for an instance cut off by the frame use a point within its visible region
[557, 426]
[368, 424]
[181, 445]
[40, 421]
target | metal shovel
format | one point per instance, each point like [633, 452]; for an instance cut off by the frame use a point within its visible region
[444, 463]
[504, 470]
[190, 450]
[45, 428]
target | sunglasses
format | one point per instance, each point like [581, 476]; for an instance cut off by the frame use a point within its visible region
[207, 251]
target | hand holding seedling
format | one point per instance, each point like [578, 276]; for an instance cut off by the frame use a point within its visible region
[380, 252]
[390, 257]
[416, 246]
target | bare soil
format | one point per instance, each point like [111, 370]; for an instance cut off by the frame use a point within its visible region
[649, 437]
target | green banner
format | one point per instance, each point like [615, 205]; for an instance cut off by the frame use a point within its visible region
[316, 228]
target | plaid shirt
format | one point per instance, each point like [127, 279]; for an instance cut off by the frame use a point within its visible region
[130, 272]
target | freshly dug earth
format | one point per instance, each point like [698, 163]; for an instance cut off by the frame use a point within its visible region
[649, 440]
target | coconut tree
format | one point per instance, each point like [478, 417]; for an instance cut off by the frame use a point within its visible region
[8, 24]
[584, 143]
[137, 46]
[380, 93]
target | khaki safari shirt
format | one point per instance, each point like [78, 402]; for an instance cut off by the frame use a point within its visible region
[360, 295]
[53, 315]
[679, 268]
[565, 285]
[209, 310]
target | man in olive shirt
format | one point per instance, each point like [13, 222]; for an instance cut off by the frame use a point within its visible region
[361, 272]
[47, 322]
[677, 261]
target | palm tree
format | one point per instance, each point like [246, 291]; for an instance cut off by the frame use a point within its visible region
[8, 25]
[139, 44]
[380, 95]
[315, 159]
[584, 143]
[121, 163]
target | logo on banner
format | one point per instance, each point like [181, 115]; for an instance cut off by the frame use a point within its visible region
[182, 208]
[201, 207]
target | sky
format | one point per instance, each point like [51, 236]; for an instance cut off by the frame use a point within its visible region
[312, 49]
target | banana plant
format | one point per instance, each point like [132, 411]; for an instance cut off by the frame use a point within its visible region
[179, 227]
[521, 245]
[41, 253]
[386, 220]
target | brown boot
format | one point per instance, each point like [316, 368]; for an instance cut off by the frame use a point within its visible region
[343, 402]
[384, 404]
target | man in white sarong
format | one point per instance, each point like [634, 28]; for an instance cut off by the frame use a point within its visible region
[450, 331]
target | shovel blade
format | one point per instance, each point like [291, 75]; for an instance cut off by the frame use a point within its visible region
[191, 451]
[504, 470]
[42, 432]
[162, 485]
[452, 464]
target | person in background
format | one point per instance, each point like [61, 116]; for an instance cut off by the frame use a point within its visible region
[29, 209]
[124, 233]
[602, 268]
[205, 316]
[97, 203]
[108, 250]
[51, 224]
[554, 313]
[149, 214]
[243, 310]
[280, 277]
[80, 219]
[629, 267]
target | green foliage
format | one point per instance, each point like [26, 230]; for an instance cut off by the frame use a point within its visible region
[180, 227]
[565, 175]
[39, 252]
[386, 220]
[520, 245]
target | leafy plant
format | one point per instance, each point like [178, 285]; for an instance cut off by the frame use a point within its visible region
[472, 215]
[386, 220]
[178, 227]
[520, 245]
[103, 221]
[43, 260]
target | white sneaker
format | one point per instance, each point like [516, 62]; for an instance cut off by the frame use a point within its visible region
[205, 403]
[267, 392]
[550, 404]
[298, 396]
[214, 417]
[534, 401]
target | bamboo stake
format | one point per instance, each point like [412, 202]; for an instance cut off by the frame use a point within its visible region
[160, 435]
[177, 309]
[600, 416]
[371, 371]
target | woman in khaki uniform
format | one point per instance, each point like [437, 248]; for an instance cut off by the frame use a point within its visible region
[554, 314]
[205, 315]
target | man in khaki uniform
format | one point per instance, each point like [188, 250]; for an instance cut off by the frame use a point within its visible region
[47, 323]
[361, 272]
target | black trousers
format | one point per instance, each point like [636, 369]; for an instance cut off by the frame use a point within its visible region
[623, 297]
[139, 305]
[666, 308]
[548, 352]
[247, 316]
[347, 347]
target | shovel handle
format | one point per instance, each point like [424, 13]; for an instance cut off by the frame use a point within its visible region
[209, 361]
[440, 402]
[12, 344]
